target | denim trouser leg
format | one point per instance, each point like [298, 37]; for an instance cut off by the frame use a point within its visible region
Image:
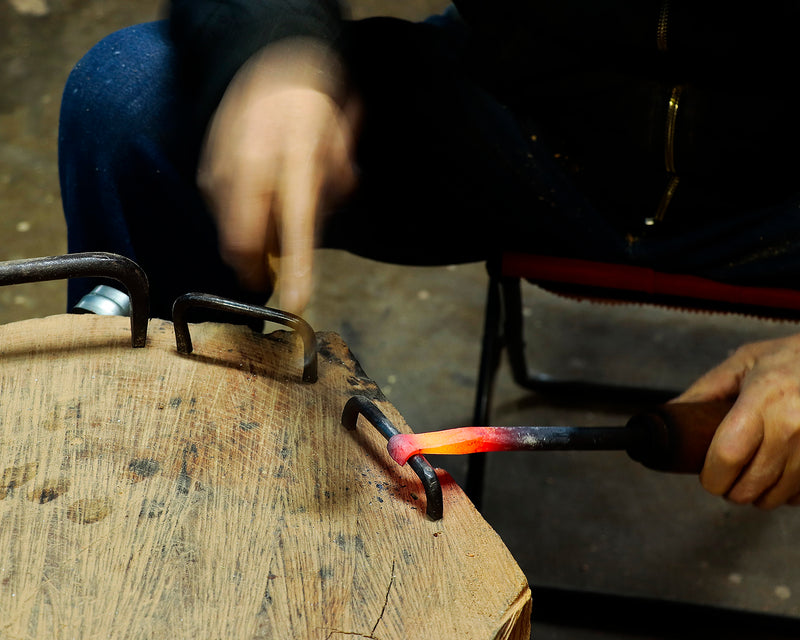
[127, 171]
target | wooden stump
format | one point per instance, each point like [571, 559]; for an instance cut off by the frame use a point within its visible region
[148, 494]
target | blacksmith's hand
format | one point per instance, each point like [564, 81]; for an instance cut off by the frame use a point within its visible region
[279, 150]
[755, 454]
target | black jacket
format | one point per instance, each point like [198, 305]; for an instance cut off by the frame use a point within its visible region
[630, 94]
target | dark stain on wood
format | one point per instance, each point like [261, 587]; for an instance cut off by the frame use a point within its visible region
[144, 467]
[184, 482]
[13, 477]
[152, 509]
[49, 491]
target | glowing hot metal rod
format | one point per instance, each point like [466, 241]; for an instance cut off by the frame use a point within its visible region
[671, 437]
[480, 439]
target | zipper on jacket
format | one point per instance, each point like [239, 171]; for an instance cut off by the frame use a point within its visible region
[663, 24]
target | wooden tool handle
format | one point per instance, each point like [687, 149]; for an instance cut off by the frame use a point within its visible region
[675, 437]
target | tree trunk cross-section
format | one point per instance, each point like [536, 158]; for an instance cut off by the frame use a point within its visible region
[148, 494]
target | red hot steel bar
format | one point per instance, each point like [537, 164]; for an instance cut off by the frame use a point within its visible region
[671, 437]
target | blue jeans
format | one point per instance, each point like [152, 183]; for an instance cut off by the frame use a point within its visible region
[447, 174]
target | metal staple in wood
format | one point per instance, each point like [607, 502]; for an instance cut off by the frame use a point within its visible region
[183, 339]
[361, 405]
[94, 264]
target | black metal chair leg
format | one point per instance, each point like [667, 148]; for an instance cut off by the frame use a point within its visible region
[491, 348]
[504, 329]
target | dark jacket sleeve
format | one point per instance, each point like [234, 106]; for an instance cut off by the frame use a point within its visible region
[213, 38]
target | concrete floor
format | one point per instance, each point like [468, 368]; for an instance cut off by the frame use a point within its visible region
[593, 522]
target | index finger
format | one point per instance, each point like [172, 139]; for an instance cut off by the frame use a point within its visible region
[297, 227]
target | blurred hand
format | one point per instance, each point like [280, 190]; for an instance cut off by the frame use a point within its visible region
[279, 151]
[755, 454]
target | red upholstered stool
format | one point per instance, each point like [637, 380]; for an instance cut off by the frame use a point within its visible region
[585, 279]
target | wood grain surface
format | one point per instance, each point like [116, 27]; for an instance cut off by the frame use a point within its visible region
[147, 494]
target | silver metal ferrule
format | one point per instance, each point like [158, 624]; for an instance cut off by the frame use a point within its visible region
[104, 301]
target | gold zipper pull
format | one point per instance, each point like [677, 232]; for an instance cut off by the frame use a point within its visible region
[669, 157]
[666, 198]
[669, 129]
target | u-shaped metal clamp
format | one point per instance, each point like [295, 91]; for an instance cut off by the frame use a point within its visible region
[88, 265]
[183, 339]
